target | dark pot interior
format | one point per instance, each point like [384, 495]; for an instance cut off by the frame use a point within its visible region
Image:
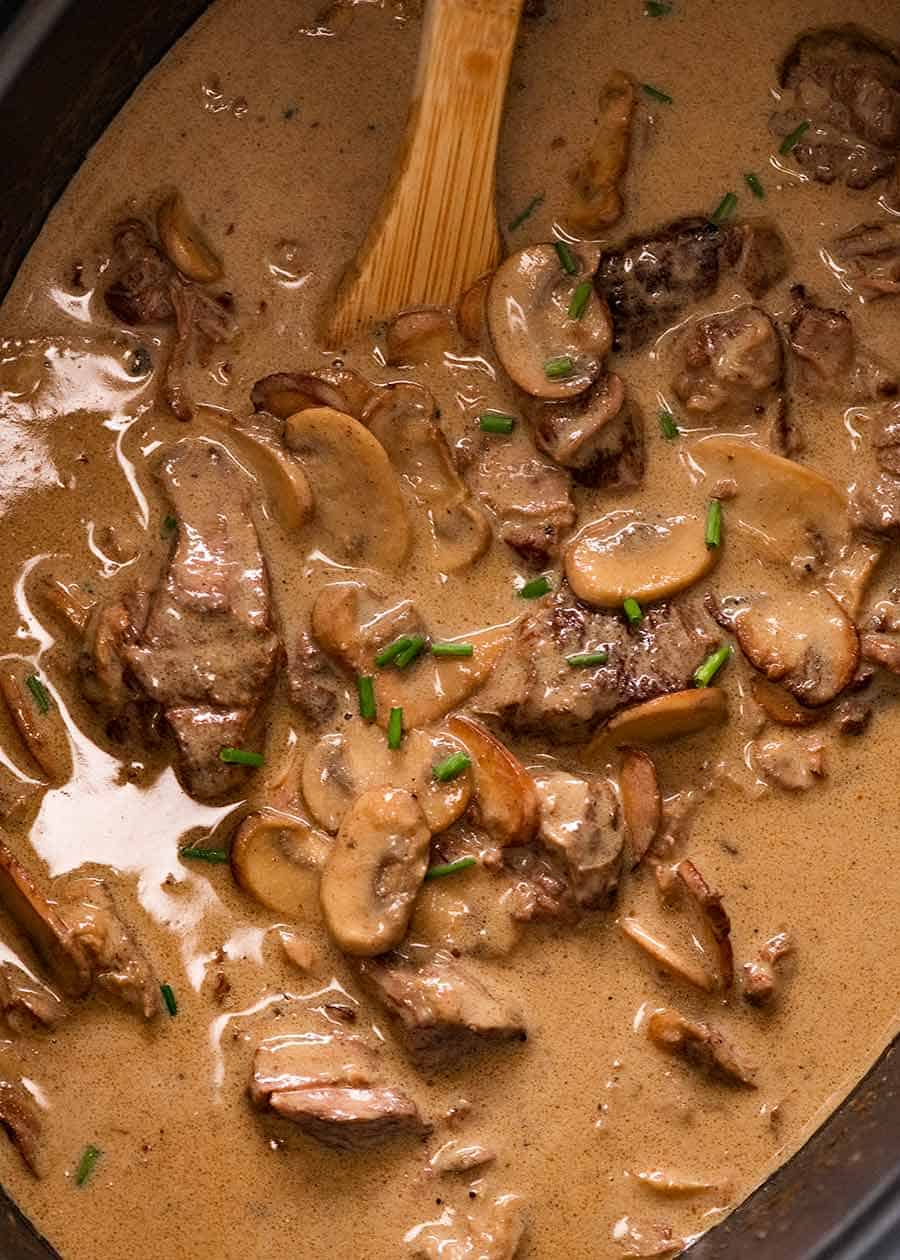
[67, 68]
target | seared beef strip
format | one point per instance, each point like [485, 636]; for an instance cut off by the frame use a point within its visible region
[599, 435]
[443, 1011]
[312, 682]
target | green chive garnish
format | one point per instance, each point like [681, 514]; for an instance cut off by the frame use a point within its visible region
[581, 660]
[657, 8]
[365, 689]
[705, 673]
[454, 765]
[395, 728]
[496, 422]
[169, 525]
[39, 693]
[566, 258]
[169, 998]
[725, 209]
[713, 535]
[535, 588]
[411, 651]
[240, 757]
[527, 212]
[559, 367]
[213, 856]
[632, 610]
[452, 649]
[86, 1164]
[789, 142]
[656, 94]
[450, 868]
[392, 651]
[580, 299]
[754, 185]
[667, 425]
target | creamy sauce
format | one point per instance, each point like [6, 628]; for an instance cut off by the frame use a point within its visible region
[281, 141]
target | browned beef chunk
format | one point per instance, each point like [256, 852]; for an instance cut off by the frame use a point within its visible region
[599, 435]
[828, 363]
[875, 499]
[491, 1230]
[757, 253]
[141, 291]
[650, 280]
[19, 1117]
[208, 652]
[884, 435]
[700, 1044]
[847, 88]
[538, 690]
[867, 259]
[530, 497]
[582, 829]
[312, 683]
[202, 320]
[26, 1003]
[443, 1011]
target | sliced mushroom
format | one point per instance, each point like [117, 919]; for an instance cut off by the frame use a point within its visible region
[422, 335]
[624, 554]
[258, 439]
[597, 199]
[801, 639]
[471, 313]
[359, 508]
[671, 1184]
[283, 394]
[795, 515]
[404, 420]
[667, 717]
[52, 938]
[374, 872]
[672, 960]
[351, 625]
[37, 719]
[699, 1044]
[780, 705]
[641, 803]
[340, 767]
[278, 859]
[708, 905]
[71, 602]
[541, 347]
[184, 243]
[506, 799]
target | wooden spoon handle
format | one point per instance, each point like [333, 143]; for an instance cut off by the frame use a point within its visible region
[436, 230]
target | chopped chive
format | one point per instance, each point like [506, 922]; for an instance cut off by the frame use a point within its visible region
[705, 673]
[753, 183]
[725, 209]
[559, 367]
[496, 422]
[392, 651]
[581, 660]
[566, 258]
[365, 690]
[240, 757]
[656, 95]
[452, 767]
[450, 868]
[39, 692]
[713, 535]
[411, 651]
[535, 588]
[395, 728]
[527, 212]
[213, 856]
[169, 525]
[632, 610]
[790, 141]
[657, 8]
[580, 299]
[667, 425]
[86, 1164]
[452, 649]
[169, 998]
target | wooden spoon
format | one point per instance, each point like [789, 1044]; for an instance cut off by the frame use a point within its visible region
[435, 232]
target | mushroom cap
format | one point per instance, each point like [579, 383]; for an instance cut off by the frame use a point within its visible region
[277, 858]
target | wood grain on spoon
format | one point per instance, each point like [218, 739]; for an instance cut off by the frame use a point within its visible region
[436, 229]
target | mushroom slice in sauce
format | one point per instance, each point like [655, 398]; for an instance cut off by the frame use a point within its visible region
[359, 509]
[471, 310]
[759, 978]
[506, 798]
[278, 858]
[185, 244]
[641, 801]
[374, 871]
[625, 555]
[282, 394]
[37, 720]
[678, 964]
[599, 435]
[542, 348]
[708, 905]
[671, 1184]
[404, 420]
[597, 199]
[700, 1044]
[667, 717]
[419, 336]
[259, 440]
[340, 767]
[780, 705]
[801, 639]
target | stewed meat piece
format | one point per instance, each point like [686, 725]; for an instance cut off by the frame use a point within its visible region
[867, 259]
[757, 253]
[599, 435]
[141, 291]
[827, 360]
[491, 1230]
[25, 1003]
[530, 497]
[581, 827]
[699, 1044]
[312, 682]
[875, 499]
[19, 1117]
[443, 1011]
